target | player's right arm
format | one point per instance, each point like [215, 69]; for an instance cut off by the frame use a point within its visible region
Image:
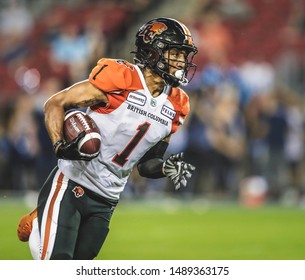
[109, 75]
[79, 95]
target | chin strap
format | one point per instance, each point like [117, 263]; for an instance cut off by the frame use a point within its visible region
[184, 82]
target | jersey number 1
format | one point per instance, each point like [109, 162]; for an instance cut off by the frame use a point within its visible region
[122, 157]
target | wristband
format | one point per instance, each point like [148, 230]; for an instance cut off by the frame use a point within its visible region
[59, 142]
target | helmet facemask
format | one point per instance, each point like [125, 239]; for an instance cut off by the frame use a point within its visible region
[182, 76]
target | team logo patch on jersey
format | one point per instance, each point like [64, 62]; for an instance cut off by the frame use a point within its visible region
[78, 191]
[168, 112]
[136, 98]
[153, 102]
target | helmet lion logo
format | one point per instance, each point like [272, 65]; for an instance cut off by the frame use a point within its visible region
[151, 30]
[78, 191]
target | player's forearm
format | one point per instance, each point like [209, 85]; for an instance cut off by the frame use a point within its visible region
[54, 116]
[152, 168]
[151, 164]
[79, 95]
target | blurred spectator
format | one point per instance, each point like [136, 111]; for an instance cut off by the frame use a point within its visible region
[71, 47]
[277, 129]
[4, 152]
[289, 63]
[214, 39]
[294, 142]
[258, 74]
[46, 159]
[198, 150]
[97, 40]
[136, 187]
[256, 126]
[267, 127]
[24, 146]
[296, 17]
[235, 9]
[216, 140]
[16, 19]
[223, 72]
[227, 135]
[16, 23]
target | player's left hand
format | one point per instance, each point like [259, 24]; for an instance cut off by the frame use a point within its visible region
[178, 170]
[70, 151]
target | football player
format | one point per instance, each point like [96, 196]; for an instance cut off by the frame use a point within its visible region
[137, 108]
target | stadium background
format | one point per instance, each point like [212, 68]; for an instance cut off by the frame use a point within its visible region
[245, 134]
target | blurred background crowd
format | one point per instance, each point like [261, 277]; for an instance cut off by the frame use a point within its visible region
[245, 133]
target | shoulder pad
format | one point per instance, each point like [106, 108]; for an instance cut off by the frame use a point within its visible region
[180, 101]
[112, 74]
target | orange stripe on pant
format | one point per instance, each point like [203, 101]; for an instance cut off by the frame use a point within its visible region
[49, 217]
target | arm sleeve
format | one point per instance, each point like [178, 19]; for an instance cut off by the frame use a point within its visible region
[151, 164]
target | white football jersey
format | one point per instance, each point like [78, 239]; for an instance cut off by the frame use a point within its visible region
[131, 123]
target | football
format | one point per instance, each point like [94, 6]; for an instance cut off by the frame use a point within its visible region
[76, 122]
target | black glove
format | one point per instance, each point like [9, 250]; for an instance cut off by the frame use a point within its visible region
[70, 150]
[177, 170]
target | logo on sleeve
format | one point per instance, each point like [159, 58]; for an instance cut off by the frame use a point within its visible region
[126, 63]
[168, 112]
[136, 98]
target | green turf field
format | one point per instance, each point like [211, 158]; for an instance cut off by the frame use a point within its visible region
[173, 230]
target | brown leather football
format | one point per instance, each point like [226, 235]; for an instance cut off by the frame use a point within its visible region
[76, 122]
